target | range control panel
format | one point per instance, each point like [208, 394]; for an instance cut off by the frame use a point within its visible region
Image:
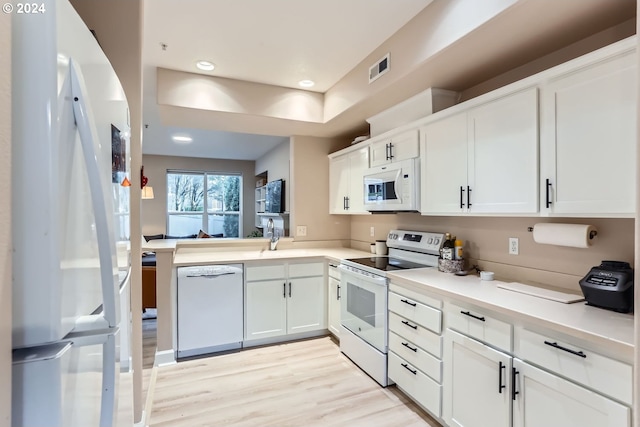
[418, 241]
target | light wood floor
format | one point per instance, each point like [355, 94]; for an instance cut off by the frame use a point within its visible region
[304, 383]
[149, 345]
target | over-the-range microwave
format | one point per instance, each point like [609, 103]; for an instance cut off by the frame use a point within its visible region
[393, 187]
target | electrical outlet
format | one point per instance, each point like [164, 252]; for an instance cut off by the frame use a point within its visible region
[301, 230]
[372, 231]
[513, 246]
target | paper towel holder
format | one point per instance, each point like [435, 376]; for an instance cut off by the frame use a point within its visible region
[592, 233]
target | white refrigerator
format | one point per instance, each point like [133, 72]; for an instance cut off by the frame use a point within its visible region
[70, 213]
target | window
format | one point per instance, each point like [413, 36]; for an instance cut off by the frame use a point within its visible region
[188, 193]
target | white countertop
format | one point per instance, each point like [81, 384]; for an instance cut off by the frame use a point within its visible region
[239, 256]
[601, 327]
[605, 328]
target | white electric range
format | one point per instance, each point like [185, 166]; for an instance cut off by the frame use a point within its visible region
[364, 302]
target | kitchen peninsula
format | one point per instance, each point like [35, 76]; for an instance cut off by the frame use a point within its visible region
[171, 254]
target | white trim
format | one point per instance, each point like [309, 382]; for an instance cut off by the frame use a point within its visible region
[164, 358]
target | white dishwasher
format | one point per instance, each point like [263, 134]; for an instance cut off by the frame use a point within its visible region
[210, 309]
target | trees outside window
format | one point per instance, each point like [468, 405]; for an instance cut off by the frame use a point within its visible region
[189, 193]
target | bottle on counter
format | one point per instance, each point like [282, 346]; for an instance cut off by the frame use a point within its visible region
[457, 249]
[447, 251]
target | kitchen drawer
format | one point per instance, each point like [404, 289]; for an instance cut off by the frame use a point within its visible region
[306, 269]
[479, 325]
[416, 312]
[417, 385]
[415, 333]
[416, 356]
[607, 376]
[265, 272]
[416, 296]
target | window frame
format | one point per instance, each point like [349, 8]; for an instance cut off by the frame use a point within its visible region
[205, 212]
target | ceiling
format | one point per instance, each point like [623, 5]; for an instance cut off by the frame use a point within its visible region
[274, 42]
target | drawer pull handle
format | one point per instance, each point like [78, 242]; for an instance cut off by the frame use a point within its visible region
[514, 374]
[409, 369]
[412, 304]
[501, 366]
[466, 313]
[409, 325]
[338, 293]
[415, 350]
[568, 350]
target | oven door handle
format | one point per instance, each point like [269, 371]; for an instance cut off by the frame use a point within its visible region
[378, 280]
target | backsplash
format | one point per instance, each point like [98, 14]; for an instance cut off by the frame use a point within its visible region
[486, 244]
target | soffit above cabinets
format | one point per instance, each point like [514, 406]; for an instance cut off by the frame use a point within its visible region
[452, 44]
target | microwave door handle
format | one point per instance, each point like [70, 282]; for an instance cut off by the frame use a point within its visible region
[397, 183]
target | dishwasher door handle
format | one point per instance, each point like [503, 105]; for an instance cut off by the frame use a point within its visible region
[211, 276]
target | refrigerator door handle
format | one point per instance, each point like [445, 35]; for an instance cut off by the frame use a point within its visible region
[110, 370]
[106, 241]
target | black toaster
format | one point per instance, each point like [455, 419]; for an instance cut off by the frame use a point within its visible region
[609, 286]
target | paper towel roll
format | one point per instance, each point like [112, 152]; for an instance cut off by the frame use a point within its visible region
[574, 235]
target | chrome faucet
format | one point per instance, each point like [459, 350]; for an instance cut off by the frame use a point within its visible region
[272, 233]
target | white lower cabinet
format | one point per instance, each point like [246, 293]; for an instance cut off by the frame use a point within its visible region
[415, 347]
[283, 299]
[544, 399]
[481, 371]
[477, 383]
[333, 301]
[423, 389]
[265, 309]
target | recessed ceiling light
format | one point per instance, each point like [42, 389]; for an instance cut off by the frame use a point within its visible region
[205, 65]
[306, 83]
[178, 138]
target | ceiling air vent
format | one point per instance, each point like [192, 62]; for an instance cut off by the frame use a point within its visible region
[379, 68]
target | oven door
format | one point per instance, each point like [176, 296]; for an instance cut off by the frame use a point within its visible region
[363, 307]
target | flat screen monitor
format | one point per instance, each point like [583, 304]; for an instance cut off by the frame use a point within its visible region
[275, 196]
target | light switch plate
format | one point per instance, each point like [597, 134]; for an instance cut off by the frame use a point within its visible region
[301, 230]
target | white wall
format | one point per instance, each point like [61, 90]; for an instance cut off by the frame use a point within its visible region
[5, 221]
[310, 190]
[277, 165]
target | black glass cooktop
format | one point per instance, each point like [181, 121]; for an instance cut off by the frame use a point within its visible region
[386, 263]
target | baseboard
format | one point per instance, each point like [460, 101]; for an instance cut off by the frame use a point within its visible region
[285, 338]
[143, 420]
[164, 358]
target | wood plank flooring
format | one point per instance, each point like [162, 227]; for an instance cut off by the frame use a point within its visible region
[304, 383]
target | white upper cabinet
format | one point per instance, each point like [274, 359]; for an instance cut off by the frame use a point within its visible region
[484, 160]
[346, 182]
[399, 147]
[443, 165]
[503, 155]
[588, 140]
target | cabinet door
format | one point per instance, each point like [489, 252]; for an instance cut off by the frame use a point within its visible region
[306, 305]
[358, 164]
[443, 165]
[265, 309]
[588, 140]
[334, 306]
[380, 152]
[545, 400]
[405, 146]
[477, 393]
[338, 184]
[503, 155]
